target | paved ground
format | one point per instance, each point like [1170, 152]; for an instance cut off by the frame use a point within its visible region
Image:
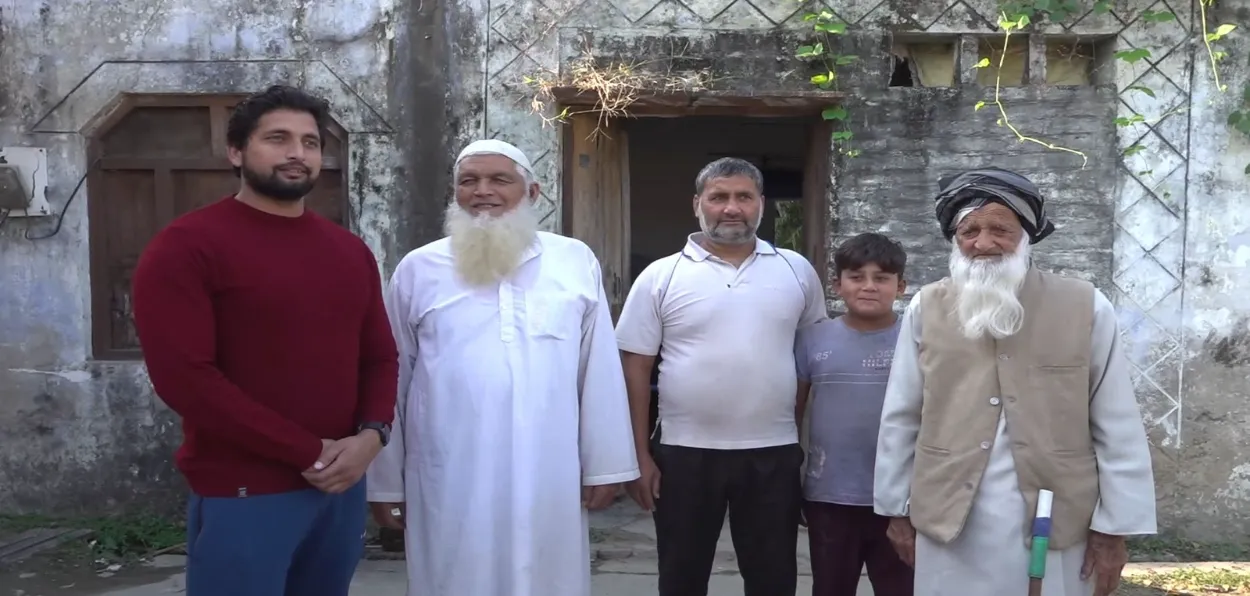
[624, 544]
[386, 578]
[622, 537]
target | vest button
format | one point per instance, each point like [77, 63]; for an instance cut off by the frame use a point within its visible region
[994, 401]
[1004, 357]
[985, 444]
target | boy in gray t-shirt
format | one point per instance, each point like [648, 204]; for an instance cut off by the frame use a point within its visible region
[845, 363]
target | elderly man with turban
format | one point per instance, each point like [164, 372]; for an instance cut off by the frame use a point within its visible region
[1008, 381]
[512, 418]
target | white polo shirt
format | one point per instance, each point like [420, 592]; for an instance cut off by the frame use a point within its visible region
[725, 336]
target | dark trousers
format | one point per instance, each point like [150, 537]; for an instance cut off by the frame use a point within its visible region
[300, 543]
[845, 538]
[759, 488]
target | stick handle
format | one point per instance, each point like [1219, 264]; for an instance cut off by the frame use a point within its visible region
[1041, 534]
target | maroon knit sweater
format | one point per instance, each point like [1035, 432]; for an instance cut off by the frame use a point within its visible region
[265, 334]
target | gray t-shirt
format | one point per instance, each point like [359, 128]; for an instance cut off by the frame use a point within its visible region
[848, 370]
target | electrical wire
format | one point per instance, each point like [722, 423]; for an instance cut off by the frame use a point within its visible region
[60, 219]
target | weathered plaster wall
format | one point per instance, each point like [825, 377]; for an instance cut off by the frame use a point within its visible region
[81, 435]
[1163, 231]
[1211, 472]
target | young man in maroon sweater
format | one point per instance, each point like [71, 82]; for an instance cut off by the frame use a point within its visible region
[263, 327]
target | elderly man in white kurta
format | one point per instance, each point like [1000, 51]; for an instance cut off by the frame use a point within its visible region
[1007, 381]
[512, 415]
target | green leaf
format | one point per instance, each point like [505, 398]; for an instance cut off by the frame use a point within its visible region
[1158, 16]
[1023, 21]
[1102, 6]
[823, 79]
[1245, 94]
[1234, 118]
[837, 28]
[844, 60]
[980, 104]
[982, 64]
[842, 135]
[809, 52]
[1132, 56]
[1223, 30]
[1248, 170]
[1134, 150]
[1146, 90]
[834, 113]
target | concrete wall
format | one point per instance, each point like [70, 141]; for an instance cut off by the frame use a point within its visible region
[1163, 232]
[1208, 475]
[83, 435]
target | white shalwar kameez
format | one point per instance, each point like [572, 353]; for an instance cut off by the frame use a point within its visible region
[511, 400]
[989, 557]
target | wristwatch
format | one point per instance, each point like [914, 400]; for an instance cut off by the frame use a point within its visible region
[384, 430]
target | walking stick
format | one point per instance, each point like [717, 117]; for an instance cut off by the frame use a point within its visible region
[1041, 541]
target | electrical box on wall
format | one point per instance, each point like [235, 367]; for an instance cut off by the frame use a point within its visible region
[24, 181]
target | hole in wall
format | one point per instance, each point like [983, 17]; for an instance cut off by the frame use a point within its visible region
[902, 77]
[923, 62]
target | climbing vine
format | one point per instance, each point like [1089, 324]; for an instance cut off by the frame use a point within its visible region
[819, 51]
[1015, 16]
[618, 86]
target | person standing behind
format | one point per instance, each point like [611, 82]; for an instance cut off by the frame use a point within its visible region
[723, 312]
[263, 327]
[513, 419]
[845, 362]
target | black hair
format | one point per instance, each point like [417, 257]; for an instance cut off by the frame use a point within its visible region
[728, 167]
[247, 114]
[870, 248]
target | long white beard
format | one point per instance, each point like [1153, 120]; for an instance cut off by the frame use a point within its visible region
[986, 292]
[486, 249]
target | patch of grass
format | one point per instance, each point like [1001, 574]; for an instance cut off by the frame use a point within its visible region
[1191, 581]
[116, 538]
[1165, 549]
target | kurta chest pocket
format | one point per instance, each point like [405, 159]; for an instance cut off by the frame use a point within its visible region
[552, 315]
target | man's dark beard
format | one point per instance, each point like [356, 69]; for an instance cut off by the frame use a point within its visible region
[274, 187]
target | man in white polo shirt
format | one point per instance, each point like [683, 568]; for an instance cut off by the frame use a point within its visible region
[723, 314]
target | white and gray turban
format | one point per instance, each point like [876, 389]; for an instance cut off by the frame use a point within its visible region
[961, 193]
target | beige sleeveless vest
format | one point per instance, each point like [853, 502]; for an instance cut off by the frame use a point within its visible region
[1040, 376]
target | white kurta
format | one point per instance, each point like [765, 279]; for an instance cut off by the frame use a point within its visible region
[511, 399]
[989, 557]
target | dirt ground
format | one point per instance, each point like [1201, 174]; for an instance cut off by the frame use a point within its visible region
[72, 571]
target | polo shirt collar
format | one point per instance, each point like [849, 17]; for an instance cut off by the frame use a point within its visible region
[695, 251]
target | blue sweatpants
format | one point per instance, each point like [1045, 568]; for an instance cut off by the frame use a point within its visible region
[301, 543]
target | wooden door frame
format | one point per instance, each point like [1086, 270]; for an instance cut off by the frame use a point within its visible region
[817, 183]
